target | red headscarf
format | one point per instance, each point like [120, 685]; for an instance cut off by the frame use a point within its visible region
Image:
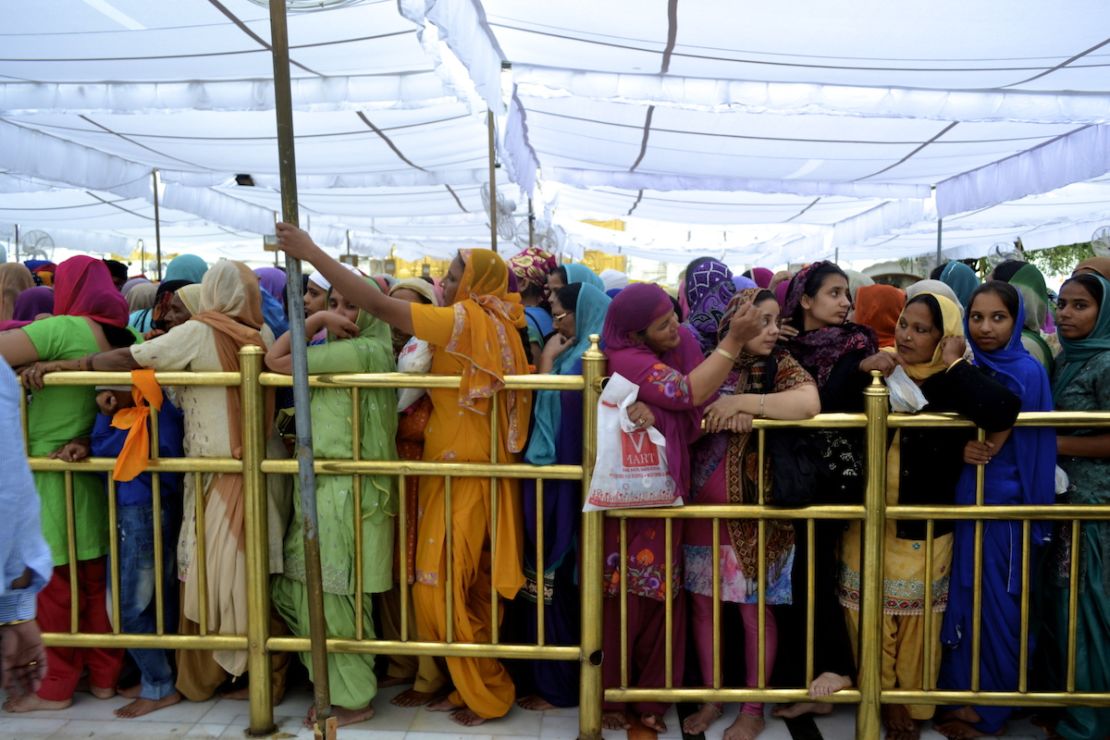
[83, 287]
[879, 307]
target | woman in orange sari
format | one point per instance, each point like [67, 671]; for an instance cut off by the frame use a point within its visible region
[475, 336]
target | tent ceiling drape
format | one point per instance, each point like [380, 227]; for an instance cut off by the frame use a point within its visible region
[789, 129]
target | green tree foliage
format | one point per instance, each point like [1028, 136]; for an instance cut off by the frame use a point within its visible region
[1060, 260]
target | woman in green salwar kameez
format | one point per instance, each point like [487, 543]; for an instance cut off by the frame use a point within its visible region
[368, 350]
[1082, 383]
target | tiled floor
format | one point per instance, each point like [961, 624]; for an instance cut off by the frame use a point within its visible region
[221, 718]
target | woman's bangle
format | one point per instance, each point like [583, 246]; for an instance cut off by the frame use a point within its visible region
[725, 353]
[762, 402]
[87, 362]
[955, 362]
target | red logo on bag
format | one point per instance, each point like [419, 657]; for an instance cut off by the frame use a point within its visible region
[638, 451]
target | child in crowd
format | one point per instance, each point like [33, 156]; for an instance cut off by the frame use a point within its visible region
[122, 430]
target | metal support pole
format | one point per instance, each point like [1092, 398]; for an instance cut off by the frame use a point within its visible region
[868, 720]
[589, 682]
[492, 182]
[531, 225]
[17, 242]
[283, 104]
[257, 543]
[157, 228]
[940, 230]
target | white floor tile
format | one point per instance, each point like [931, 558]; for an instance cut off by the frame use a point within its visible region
[120, 728]
[558, 728]
[517, 723]
[452, 736]
[205, 730]
[17, 726]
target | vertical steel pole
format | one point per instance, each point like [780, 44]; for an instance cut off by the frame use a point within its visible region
[868, 720]
[157, 227]
[283, 103]
[589, 683]
[531, 225]
[257, 547]
[940, 231]
[17, 242]
[492, 181]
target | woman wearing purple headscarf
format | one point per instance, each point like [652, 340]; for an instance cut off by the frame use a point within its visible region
[645, 343]
[707, 290]
[272, 280]
[31, 303]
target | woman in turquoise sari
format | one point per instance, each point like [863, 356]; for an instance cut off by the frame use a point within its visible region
[1081, 384]
[357, 343]
[578, 310]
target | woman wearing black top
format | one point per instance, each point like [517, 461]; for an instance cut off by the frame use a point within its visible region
[923, 467]
[838, 354]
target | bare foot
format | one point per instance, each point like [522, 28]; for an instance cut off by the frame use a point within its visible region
[653, 722]
[466, 717]
[899, 724]
[241, 694]
[790, 711]
[141, 706]
[388, 681]
[32, 703]
[615, 721]
[955, 728]
[342, 716]
[699, 721]
[828, 683]
[535, 703]
[746, 727]
[131, 692]
[963, 714]
[443, 705]
[412, 698]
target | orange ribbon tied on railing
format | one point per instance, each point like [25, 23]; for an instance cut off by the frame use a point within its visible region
[135, 456]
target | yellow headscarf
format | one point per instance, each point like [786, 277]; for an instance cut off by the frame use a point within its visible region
[953, 327]
[487, 316]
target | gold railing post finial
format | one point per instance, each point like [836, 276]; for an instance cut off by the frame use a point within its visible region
[868, 717]
[590, 686]
[257, 542]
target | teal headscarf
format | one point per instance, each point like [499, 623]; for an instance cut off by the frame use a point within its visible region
[961, 279]
[577, 273]
[185, 267]
[589, 318]
[1076, 352]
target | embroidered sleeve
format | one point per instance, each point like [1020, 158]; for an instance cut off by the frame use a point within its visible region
[790, 374]
[666, 387]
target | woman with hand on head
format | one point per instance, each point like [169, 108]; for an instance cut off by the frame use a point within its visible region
[764, 382]
[645, 343]
[923, 467]
[476, 337]
[1020, 466]
[1081, 384]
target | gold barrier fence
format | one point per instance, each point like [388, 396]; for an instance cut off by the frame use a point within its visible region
[869, 695]
[873, 513]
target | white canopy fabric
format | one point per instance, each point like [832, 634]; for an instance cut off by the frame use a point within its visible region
[782, 131]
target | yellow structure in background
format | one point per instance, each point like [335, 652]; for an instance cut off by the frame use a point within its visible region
[398, 268]
[598, 261]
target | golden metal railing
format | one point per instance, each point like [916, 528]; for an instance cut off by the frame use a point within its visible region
[873, 514]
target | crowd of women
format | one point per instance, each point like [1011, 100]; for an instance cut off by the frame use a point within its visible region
[727, 350]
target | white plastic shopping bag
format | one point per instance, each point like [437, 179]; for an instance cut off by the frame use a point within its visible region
[631, 469]
[905, 396]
